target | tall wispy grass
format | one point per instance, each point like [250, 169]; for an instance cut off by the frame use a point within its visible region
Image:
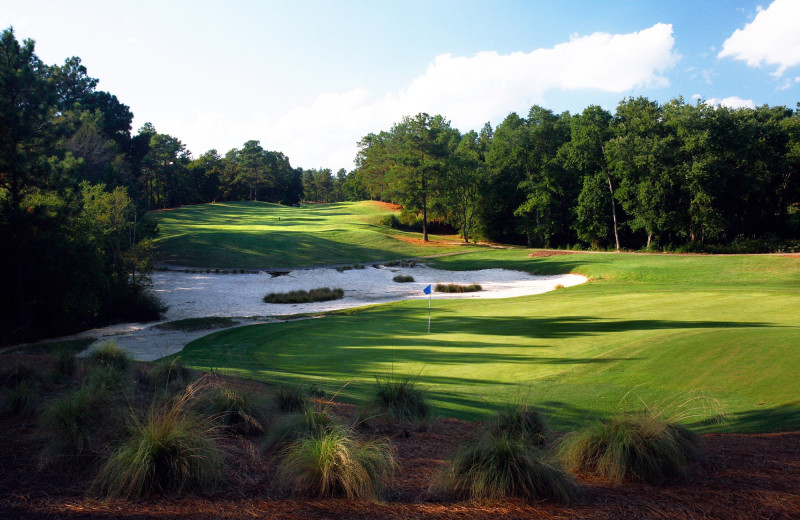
[499, 466]
[111, 355]
[311, 421]
[236, 409]
[168, 449]
[290, 398]
[398, 399]
[521, 420]
[334, 463]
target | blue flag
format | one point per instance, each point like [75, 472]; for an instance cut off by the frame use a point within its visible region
[427, 290]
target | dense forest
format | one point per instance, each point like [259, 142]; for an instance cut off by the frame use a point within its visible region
[76, 185]
[676, 176]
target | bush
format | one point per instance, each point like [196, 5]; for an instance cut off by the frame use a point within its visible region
[18, 373]
[111, 356]
[632, 447]
[521, 421]
[403, 279]
[236, 409]
[314, 295]
[333, 463]
[455, 288]
[496, 467]
[20, 401]
[399, 399]
[290, 398]
[64, 363]
[311, 421]
[169, 449]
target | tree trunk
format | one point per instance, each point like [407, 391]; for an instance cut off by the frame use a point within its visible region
[424, 210]
[613, 210]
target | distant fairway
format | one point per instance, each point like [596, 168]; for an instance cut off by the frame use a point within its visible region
[261, 235]
[657, 325]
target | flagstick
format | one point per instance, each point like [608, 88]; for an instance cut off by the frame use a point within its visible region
[430, 295]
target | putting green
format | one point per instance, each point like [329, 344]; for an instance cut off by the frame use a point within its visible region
[264, 235]
[659, 328]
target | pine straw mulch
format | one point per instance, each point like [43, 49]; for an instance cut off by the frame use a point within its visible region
[744, 477]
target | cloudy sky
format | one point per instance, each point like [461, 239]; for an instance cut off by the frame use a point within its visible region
[311, 78]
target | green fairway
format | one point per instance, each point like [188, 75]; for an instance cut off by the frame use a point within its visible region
[657, 325]
[263, 235]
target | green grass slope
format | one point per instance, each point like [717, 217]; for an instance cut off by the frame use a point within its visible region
[260, 235]
[656, 326]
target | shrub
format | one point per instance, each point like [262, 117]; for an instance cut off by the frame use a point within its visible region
[111, 356]
[632, 447]
[169, 449]
[521, 421]
[333, 463]
[403, 279]
[290, 398]
[500, 466]
[314, 295]
[236, 409]
[399, 399]
[455, 288]
[311, 421]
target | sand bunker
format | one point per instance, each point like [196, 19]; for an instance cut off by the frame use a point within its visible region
[192, 295]
[195, 295]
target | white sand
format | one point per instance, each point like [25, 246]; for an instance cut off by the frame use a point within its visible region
[241, 296]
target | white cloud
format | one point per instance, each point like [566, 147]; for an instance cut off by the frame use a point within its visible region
[696, 97]
[772, 38]
[731, 102]
[470, 91]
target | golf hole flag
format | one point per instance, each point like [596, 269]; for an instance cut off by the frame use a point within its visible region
[427, 291]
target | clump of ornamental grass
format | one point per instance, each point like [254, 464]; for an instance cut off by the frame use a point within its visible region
[19, 371]
[236, 409]
[335, 463]
[169, 375]
[111, 355]
[403, 279]
[64, 363]
[398, 399]
[638, 447]
[456, 288]
[21, 401]
[75, 425]
[499, 466]
[322, 294]
[520, 420]
[290, 398]
[168, 449]
[290, 427]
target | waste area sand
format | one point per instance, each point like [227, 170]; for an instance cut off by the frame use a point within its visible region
[195, 295]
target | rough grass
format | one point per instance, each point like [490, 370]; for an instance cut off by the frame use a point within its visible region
[456, 288]
[290, 398]
[322, 294]
[334, 463]
[169, 375]
[500, 466]
[636, 447]
[169, 449]
[403, 279]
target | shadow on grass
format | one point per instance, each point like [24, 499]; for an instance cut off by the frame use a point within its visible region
[785, 417]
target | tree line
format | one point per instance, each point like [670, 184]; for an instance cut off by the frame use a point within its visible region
[680, 175]
[75, 187]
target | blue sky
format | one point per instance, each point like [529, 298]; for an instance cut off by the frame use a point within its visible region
[311, 78]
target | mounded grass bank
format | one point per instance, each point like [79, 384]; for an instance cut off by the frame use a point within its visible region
[660, 324]
[256, 235]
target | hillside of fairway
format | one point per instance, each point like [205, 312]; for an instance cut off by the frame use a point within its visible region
[659, 328]
[262, 235]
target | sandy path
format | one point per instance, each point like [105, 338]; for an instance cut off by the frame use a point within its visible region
[240, 296]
